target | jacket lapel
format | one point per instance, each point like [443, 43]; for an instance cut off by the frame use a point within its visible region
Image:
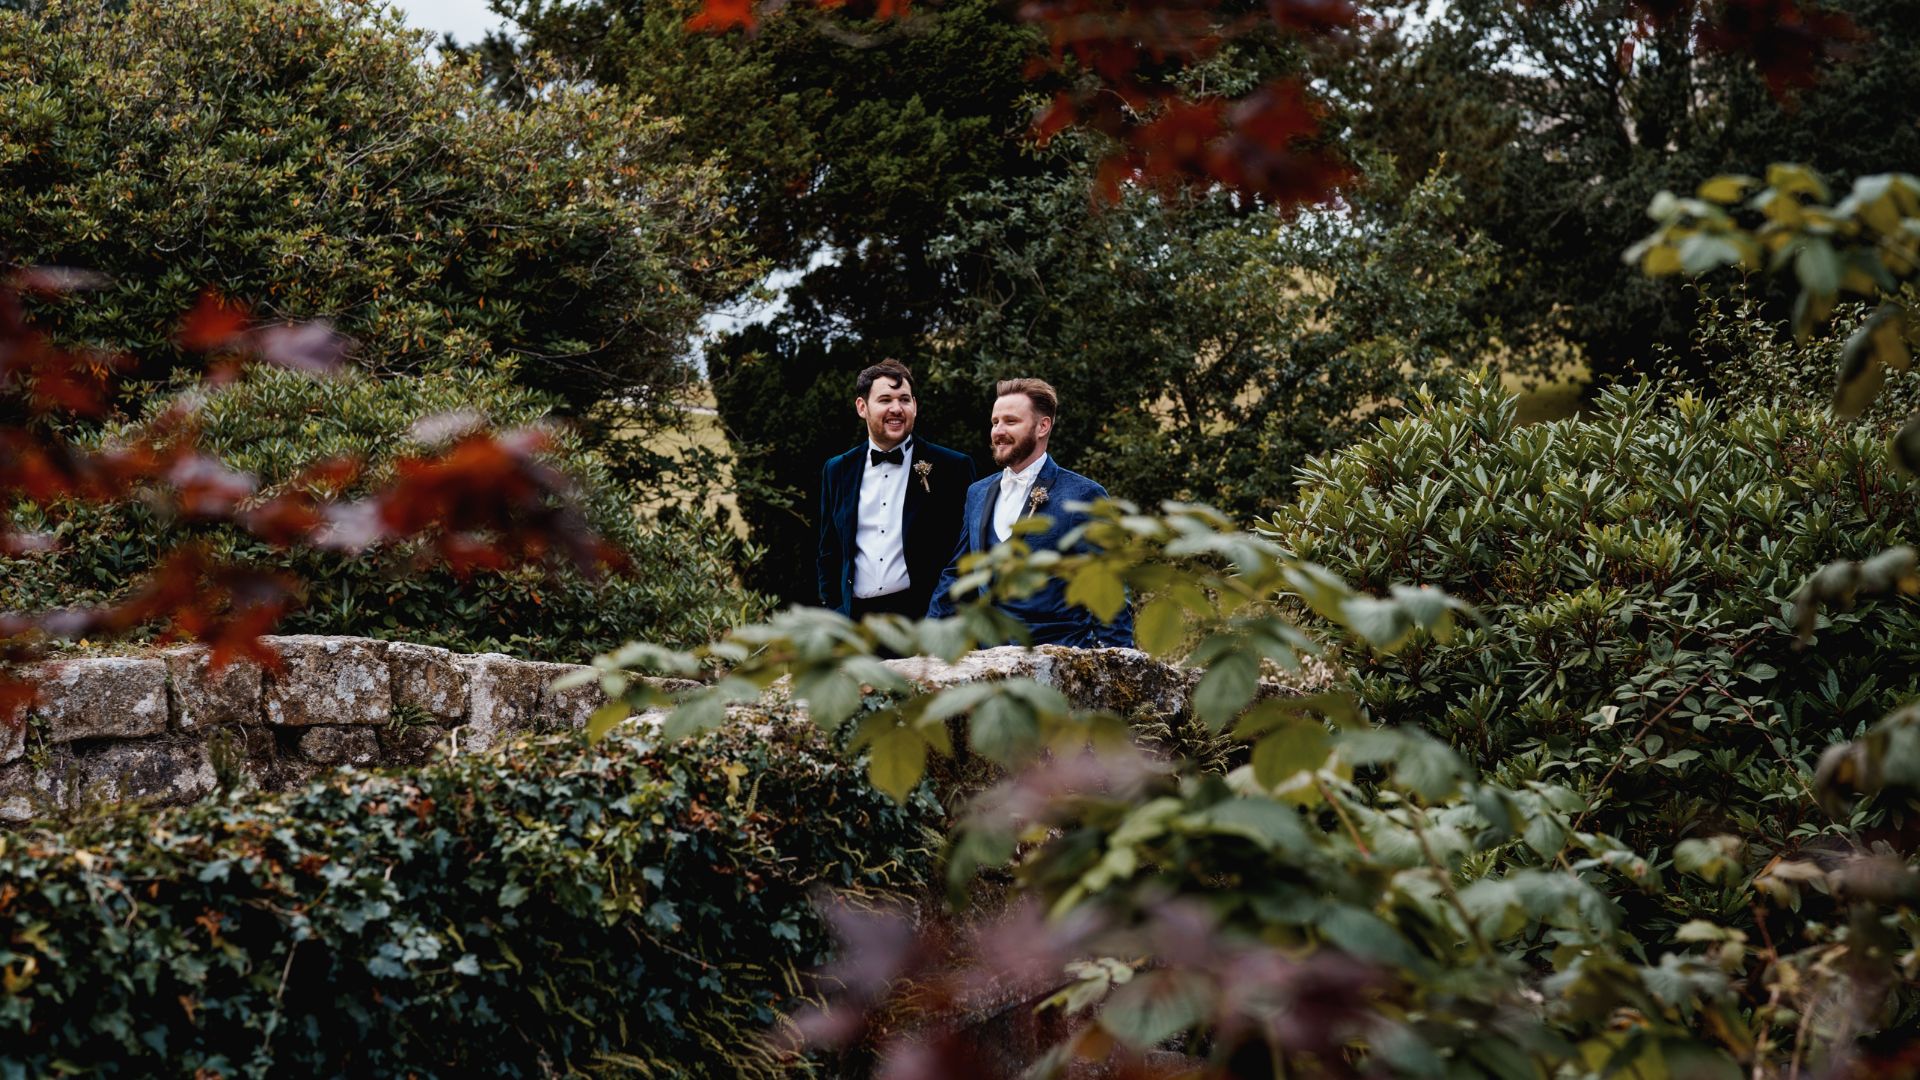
[983, 523]
[1044, 482]
[915, 491]
[848, 512]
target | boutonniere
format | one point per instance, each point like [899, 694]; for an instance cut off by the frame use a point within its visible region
[924, 469]
[1036, 500]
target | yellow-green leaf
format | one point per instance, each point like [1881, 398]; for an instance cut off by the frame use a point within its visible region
[1726, 189]
[896, 759]
[1099, 590]
[1300, 745]
[1160, 627]
[605, 717]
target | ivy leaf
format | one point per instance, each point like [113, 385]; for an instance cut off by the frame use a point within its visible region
[1003, 730]
[831, 697]
[605, 718]
[1156, 1006]
[1160, 627]
[1300, 745]
[896, 759]
[1225, 689]
[703, 711]
[1098, 589]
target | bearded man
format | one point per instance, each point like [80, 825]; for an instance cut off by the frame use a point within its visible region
[1030, 483]
[890, 507]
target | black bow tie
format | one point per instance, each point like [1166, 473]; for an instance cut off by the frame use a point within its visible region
[895, 456]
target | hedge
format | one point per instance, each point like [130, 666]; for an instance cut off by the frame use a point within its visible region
[564, 908]
[682, 588]
[1635, 570]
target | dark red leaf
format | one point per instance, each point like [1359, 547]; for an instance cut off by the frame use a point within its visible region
[1789, 44]
[206, 488]
[214, 323]
[718, 16]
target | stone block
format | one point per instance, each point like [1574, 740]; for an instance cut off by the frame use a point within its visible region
[13, 740]
[503, 697]
[566, 710]
[161, 771]
[328, 680]
[340, 745]
[428, 680]
[29, 790]
[102, 697]
[1003, 662]
[411, 745]
[1125, 682]
[203, 698]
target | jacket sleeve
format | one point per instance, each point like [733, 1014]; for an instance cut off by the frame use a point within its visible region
[830, 559]
[940, 605]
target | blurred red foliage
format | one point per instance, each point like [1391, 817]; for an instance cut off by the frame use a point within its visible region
[487, 501]
[1268, 144]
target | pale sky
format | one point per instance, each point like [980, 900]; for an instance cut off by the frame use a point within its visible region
[467, 20]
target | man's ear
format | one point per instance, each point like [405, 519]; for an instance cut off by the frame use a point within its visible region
[1043, 427]
[860, 406]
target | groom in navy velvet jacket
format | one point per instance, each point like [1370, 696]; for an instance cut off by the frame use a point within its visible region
[1030, 483]
[890, 507]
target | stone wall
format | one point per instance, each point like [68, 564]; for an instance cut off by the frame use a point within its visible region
[166, 728]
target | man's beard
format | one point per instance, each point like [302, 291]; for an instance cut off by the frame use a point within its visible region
[877, 428]
[1005, 454]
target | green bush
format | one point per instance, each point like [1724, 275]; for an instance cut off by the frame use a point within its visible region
[309, 157]
[1635, 570]
[1750, 357]
[682, 585]
[567, 908]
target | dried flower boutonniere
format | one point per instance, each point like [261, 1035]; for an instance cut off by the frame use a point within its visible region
[924, 469]
[1036, 500]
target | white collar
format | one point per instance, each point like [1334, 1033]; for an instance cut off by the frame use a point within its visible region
[1026, 475]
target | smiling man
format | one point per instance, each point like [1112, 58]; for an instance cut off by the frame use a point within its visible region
[1031, 484]
[890, 507]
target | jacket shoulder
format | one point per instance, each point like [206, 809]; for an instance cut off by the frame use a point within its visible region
[1080, 486]
[936, 452]
[840, 459]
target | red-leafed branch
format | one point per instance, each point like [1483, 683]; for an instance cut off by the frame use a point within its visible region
[1114, 58]
[484, 501]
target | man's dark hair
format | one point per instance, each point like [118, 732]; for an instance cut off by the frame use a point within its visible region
[1046, 402]
[885, 369]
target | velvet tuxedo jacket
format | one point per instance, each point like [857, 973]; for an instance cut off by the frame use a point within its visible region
[1049, 618]
[930, 520]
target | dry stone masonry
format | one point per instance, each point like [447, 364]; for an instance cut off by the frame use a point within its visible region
[163, 727]
[168, 729]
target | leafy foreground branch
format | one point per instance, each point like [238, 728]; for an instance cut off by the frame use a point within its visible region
[1351, 899]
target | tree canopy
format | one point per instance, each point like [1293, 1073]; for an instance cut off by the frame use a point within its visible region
[304, 155]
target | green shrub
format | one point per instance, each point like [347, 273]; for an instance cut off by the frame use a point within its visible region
[1750, 357]
[682, 585]
[1634, 569]
[309, 157]
[567, 908]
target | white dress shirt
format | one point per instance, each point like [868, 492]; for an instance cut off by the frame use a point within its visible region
[879, 545]
[1015, 487]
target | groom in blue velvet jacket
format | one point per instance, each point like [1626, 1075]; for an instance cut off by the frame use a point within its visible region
[1030, 483]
